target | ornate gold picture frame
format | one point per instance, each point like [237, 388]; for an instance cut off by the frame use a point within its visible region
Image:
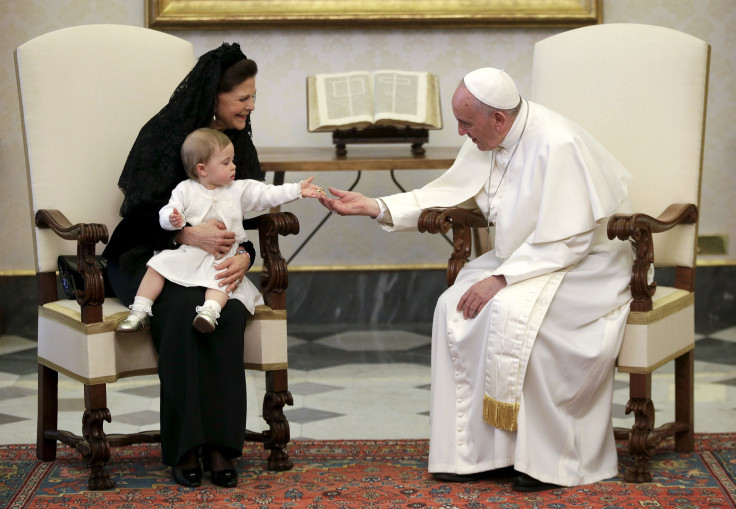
[295, 14]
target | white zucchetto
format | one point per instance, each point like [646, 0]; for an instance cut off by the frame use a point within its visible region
[492, 87]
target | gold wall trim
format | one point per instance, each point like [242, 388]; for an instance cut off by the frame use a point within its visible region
[22, 272]
[298, 14]
[418, 266]
[715, 263]
[357, 268]
[431, 266]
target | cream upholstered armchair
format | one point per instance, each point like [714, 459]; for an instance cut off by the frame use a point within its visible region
[641, 91]
[85, 92]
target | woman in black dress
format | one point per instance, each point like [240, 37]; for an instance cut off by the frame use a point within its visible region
[203, 403]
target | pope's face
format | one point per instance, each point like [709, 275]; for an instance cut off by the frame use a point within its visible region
[233, 107]
[486, 131]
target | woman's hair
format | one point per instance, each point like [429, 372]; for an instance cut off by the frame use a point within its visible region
[199, 146]
[236, 74]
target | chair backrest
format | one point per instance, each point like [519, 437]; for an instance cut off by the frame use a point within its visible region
[85, 92]
[641, 91]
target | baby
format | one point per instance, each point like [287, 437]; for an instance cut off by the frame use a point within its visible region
[211, 192]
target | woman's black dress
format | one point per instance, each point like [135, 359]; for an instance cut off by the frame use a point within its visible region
[202, 378]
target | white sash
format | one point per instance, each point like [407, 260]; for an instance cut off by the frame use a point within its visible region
[517, 312]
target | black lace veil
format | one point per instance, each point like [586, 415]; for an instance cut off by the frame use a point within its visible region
[154, 166]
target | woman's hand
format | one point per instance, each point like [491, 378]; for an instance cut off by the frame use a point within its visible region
[479, 295]
[233, 271]
[210, 236]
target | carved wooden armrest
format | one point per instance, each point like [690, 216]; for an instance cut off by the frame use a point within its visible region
[274, 278]
[639, 229]
[461, 221]
[87, 236]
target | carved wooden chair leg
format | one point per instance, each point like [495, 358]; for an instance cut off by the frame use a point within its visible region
[640, 402]
[97, 452]
[48, 406]
[684, 401]
[277, 437]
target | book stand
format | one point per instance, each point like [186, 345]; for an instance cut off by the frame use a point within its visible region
[381, 134]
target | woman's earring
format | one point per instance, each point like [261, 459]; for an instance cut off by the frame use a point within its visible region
[214, 118]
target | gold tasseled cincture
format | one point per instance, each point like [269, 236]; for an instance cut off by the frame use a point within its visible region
[500, 415]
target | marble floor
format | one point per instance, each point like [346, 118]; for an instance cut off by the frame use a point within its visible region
[353, 384]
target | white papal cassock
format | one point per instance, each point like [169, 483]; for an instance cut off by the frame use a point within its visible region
[549, 188]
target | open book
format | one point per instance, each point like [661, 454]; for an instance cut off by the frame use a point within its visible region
[360, 99]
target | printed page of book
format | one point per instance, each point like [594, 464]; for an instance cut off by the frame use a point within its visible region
[404, 98]
[340, 100]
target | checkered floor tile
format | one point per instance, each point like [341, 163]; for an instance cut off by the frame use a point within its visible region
[359, 384]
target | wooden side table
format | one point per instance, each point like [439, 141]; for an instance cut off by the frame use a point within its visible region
[360, 158]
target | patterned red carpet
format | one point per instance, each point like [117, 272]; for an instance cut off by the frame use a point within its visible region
[358, 474]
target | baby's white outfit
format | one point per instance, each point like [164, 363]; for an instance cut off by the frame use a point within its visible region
[193, 266]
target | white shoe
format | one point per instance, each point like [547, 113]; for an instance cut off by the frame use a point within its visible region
[206, 319]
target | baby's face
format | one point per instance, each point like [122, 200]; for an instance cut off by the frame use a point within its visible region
[219, 169]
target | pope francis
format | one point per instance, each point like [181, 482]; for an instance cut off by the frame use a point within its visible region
[524, 342]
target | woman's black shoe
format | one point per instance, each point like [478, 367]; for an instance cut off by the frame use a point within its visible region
[225, 478]
[189, 477]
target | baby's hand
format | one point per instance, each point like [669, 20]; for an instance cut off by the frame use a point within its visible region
[176, 219]
[310, 190]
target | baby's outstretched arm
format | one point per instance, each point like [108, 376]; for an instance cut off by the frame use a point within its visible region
[176, 219]
[310, 190]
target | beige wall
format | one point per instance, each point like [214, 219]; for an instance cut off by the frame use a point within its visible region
[287, 57]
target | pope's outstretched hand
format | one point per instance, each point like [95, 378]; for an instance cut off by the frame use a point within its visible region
[350, 203]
